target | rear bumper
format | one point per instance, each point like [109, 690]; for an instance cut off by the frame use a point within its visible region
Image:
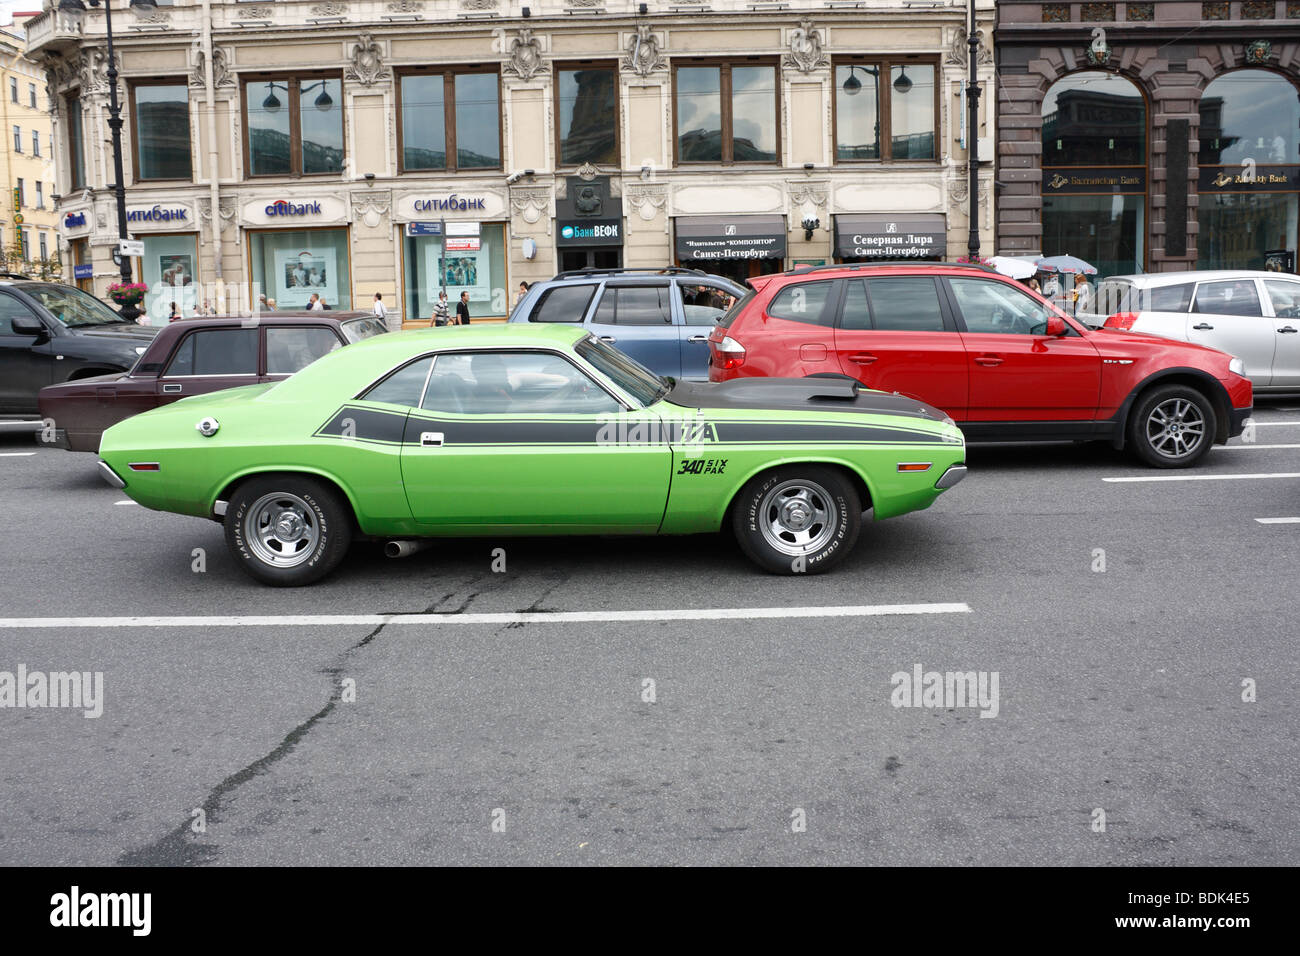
[110, 476]
[60, 439]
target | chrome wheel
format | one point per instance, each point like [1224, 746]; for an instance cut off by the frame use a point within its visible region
[1175, 428]
[798, 517]
[281, 529]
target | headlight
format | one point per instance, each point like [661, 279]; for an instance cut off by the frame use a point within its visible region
[139, 350]
[1236, 367]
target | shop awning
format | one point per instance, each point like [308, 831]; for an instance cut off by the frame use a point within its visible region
[885, 236]
[729, 237]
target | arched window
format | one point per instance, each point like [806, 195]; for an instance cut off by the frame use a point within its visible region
[1094, 171]
[1249, 172]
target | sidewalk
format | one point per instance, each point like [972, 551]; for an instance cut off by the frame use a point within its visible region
[424, 323]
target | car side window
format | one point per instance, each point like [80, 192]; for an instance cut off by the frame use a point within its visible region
[1168, 298]
[1233, 297]
[216, 352]
[635, 305]
[291, 350]
[404, 386]
[905, 304]
[1285, 297]
[989, 306]
[856, 314]
[703, 304]
[563, 303]
[10, 309]
[513, 383]
[809, 302]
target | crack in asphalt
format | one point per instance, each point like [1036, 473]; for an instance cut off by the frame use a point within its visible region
[178, 849]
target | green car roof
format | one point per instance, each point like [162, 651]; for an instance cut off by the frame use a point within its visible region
[356, 366]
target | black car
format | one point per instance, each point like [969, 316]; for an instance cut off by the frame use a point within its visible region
[52, 333]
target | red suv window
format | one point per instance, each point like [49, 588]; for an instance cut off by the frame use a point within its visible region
[809, 302]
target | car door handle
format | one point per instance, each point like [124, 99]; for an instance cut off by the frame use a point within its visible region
[698, 338]
[1203, 327]
[862, 358]
[608, 338]
[988, 361]
[1287, 328]
[173, 388]
[431, 439]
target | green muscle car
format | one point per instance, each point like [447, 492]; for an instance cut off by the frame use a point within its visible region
[529, 430]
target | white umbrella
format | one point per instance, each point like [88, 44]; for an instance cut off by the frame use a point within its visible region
[1012, 267]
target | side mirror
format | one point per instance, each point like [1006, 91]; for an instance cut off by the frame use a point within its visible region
[29, 325]
[1055, 326]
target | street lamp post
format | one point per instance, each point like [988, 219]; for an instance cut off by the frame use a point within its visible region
[78, 8]
[972, 145]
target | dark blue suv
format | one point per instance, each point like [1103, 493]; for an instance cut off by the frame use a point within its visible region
[660, 317]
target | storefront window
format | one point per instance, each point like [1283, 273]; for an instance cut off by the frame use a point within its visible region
[1094, 119]
[587, 110]
[295, 126]
[290, 265]
[1094, 171]
[1106, 231]
[169, 270]
[481, 272]
[1238, 229]
[162, 131]
[1249, 114]
[726, 114]
[900, 127]
[450, 116]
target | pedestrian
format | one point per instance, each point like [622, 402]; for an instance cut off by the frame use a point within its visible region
[1033, 285]
[1052, 288]
[523, 291]
[381, 313]
[1082, 294]
[270, 305]
[314, 304]
[209, 308]
[440, 313]
[462, 309]
[262, 302]
[176, 312]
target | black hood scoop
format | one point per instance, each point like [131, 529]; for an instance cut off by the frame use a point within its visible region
[799, 394]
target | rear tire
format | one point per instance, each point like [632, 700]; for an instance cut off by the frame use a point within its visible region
[1172, 426]
[287, 530]
[800, 519]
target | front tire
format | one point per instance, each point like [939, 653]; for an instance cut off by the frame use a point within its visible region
[1172, 426]
[287, 530]
[801, 519]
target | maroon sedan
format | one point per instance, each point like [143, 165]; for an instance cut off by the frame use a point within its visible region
[195, 357]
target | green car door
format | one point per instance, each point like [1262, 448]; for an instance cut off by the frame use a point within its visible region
[525, 439]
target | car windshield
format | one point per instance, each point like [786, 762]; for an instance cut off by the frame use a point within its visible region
[354, 330]
[628, 374]
[72, 307]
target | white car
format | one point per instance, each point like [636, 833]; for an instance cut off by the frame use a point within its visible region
[1252, 315]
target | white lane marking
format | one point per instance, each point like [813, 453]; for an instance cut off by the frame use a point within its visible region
[519, 617]
[1251, 444]
[1278, 520]
[1279, 474]
[1267, 424]
[127, 502]
[16, 454]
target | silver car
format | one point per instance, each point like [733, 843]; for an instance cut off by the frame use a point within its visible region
[1252, 315]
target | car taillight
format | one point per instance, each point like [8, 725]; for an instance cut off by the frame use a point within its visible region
[727, 353]
[1122, 320]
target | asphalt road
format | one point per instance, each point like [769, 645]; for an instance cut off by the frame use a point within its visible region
[511, 741]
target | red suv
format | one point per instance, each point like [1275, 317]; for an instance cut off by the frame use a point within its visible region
[1005, 364]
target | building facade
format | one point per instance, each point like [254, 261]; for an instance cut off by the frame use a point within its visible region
[29, 225]
[392, 146]
[1153, 136]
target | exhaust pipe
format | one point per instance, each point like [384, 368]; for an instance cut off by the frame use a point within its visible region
[404, 549]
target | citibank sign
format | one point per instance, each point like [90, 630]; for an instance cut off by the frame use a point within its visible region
[282, 207]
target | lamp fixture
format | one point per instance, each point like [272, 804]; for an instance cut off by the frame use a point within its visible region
[324, 101]
[904, 83]
[852, 86]
[272, 103]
